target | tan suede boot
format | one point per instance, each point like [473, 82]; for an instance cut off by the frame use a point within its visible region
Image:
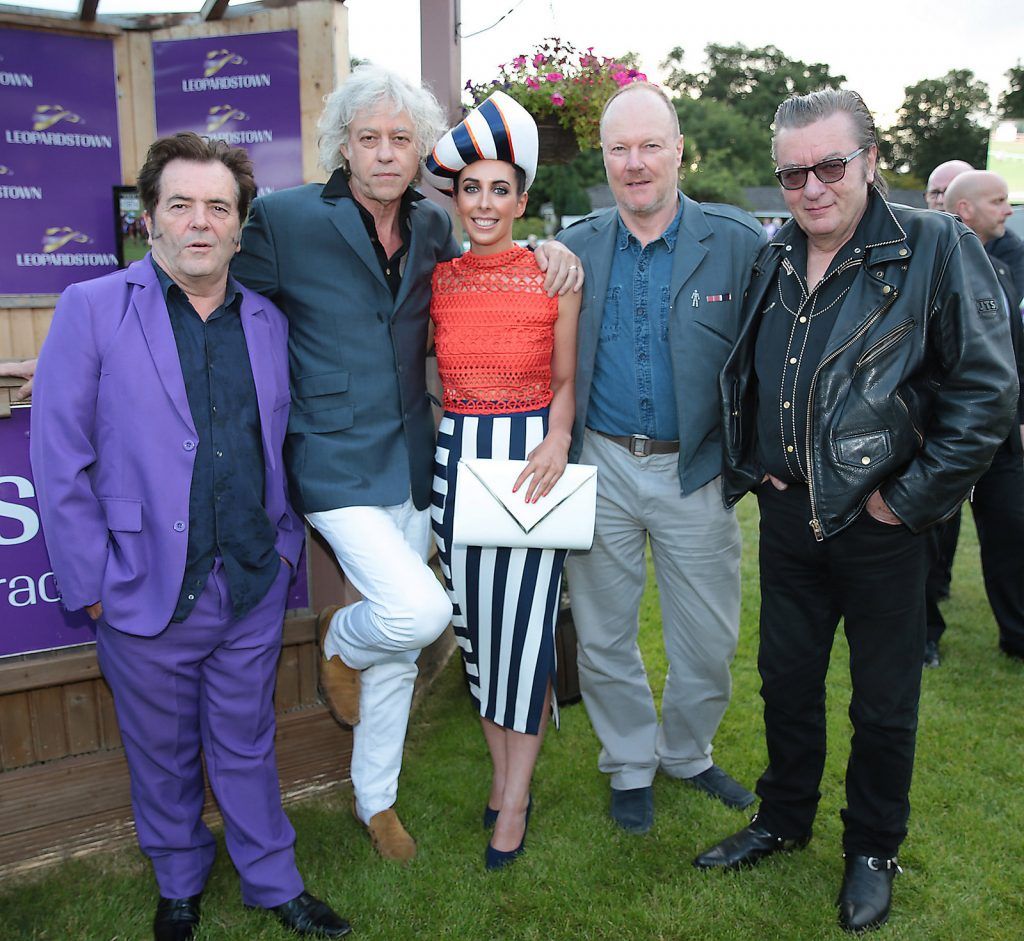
[338, 682]
[389, 838]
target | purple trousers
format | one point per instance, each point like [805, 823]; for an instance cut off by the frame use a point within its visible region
[206, 684]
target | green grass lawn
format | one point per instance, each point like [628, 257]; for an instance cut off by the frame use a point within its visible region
[582, 878]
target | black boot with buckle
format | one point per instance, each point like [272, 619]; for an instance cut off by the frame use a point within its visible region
[866, 894]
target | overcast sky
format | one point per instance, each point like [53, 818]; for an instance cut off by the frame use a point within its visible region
[880, 47]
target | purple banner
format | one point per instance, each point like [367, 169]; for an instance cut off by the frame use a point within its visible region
[241, 89]
[31, 615]
[59, 158]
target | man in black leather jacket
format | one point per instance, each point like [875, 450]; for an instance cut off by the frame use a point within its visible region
[870, 386]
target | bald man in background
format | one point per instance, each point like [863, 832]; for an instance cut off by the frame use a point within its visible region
[1008, 247]
[980, 199]
[940, 178]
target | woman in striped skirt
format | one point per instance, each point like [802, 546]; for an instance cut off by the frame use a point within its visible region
[506, 353]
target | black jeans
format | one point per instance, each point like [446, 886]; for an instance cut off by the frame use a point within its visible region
[871, 575]
[942, 539]
[998, 507]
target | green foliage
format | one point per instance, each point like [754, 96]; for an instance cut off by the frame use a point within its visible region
[753, 81]
[723, 151]
[581, 878]
[939, 121]
[726, 112]
[528, 225]
[565, 185]
[1011, 103]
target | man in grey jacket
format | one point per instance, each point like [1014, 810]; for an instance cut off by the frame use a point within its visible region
[350, 262]
[665, 280]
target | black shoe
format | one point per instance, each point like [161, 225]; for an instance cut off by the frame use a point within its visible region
[716, 783]
[931, 653]
[499, 859]
[176, 919]
[633, 809]
[866, 894]
[309, 917]
[747, 848]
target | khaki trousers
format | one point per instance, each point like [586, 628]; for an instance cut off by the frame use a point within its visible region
[695, 546]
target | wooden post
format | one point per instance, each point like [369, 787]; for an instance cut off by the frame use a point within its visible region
[441, 53]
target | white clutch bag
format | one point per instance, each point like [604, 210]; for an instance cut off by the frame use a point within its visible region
[488, 513]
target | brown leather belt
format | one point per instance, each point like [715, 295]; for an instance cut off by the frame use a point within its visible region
[642, 446]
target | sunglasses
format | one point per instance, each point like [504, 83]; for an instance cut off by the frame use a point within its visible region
[828, 171]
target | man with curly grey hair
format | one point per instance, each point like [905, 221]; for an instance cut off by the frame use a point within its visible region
[349, 261]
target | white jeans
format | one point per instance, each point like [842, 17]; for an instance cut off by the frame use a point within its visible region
[382, 551]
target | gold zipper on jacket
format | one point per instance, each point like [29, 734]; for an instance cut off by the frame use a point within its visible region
[814, 522]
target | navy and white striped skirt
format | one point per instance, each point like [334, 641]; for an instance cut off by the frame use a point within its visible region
[505, 600]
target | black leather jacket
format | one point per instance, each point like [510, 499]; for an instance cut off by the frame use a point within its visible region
[916, 389]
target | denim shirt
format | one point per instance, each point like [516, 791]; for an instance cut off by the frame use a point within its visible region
[633, 388]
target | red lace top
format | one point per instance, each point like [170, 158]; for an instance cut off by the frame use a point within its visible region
[494, 332]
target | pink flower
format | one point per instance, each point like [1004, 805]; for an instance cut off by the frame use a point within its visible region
[531, 82]
[557, 100]
[539, 59]
[621, 78]
[554, 76]
[519, 62]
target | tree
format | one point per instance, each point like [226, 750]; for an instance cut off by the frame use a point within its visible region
[565, 185]
[1011, 104]
[939, 121]
[752, 81]
[726, 112]
[723, 150]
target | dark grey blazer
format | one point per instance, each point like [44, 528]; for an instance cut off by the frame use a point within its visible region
[713, 257]
[361, 431]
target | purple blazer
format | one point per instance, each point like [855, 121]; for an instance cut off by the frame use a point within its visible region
[113, 444]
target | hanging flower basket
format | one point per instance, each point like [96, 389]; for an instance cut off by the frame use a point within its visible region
[562, 88]
[557, 144]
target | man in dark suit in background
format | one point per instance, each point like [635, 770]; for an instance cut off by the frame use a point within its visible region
[980, 199]
[350, 263]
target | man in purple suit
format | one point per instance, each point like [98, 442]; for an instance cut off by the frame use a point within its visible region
[160, 405]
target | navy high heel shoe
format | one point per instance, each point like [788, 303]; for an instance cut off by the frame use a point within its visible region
[498, 859]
